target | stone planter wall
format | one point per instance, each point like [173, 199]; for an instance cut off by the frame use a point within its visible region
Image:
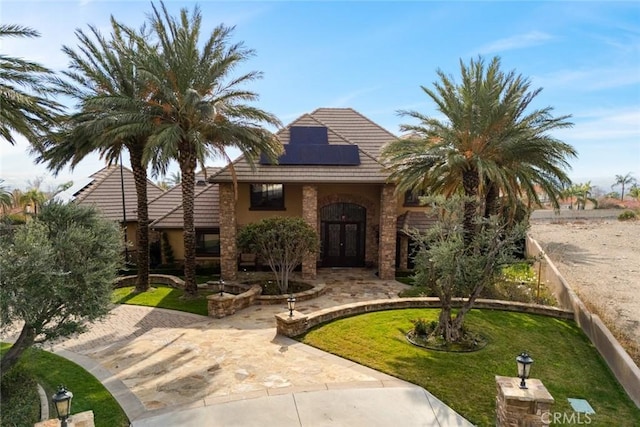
[236, 297]
[314, 292]
[300, 323]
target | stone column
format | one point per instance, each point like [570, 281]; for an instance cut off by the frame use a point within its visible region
[387, 247]
[517, 407]
[228, 248]
[291, 326]
[404, 252]
[310, 216]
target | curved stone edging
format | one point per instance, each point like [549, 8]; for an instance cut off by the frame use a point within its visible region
[44, 403]
[299, 323]
[317, 290]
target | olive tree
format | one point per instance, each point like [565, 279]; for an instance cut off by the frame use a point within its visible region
[452, 268]
[57, 275]
[280, 242]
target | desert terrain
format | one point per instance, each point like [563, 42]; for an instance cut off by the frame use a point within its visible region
[600, 258]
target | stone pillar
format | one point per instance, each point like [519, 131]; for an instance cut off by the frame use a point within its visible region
[228, 248]
[291, 326]
[81, 419]
[310, 216]
[387, 247]
[404, 252]
[517, 407]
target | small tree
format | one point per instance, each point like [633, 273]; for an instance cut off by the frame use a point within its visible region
[623, 180]
[281, 242]
[57, 273]
[451, 267]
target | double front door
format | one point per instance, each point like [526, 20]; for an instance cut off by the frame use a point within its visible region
[343, 235]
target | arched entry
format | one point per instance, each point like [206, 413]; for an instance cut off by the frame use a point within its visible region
[342, 234]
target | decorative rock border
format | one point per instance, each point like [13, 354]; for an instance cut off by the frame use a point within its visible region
[299, 323]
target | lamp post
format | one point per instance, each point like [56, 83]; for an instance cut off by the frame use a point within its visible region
[524, 362]
[221, 286]
[62, 402]
[291, 303]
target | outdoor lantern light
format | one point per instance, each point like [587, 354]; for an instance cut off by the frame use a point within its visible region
[291, 302]
[524, 362]
[62, 401]
[221, 285]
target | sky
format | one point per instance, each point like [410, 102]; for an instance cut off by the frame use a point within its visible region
[375, 56]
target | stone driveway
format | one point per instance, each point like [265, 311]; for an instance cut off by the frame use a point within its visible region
[168, 360]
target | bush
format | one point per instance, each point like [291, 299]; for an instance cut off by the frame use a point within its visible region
[423, 327]
[15, 219]
[19, 397]
[519, 283]
[627, 216]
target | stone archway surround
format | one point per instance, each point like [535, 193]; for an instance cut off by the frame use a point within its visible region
[371, 237]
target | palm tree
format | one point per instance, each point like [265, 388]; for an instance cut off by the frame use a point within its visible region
[487, 145]
[583, 194]
[102, 78]
[198, 107]
[33, 197]
[624, 180]
[5, 198]
[634, 192]
[26, 108]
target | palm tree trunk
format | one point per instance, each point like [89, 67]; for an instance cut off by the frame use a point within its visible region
[470, 183]
[187, 160]
[491, 200]
[142, 232]
[24, 341]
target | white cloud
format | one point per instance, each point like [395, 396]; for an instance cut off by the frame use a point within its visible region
[605, 126]
[587, 80]
[519, 41]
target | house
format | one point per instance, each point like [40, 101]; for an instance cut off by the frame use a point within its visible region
[105, 189]
[330, 175]
[112, 190]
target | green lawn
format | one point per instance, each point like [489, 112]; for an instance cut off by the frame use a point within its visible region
[88, 393]
[565, 361]
[164, 297]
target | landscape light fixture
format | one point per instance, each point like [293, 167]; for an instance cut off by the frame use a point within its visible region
[291, 302]
[62, 402]
[221, 285]
[524, 362]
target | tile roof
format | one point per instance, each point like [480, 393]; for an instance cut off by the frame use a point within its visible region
[206, 208]
[105, 192]
[345, 126]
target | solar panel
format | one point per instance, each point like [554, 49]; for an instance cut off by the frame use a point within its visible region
[308, 135]
[318, 154]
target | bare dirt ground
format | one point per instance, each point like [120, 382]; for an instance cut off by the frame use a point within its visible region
[600, 258]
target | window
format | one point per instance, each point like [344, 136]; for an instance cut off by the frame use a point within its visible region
[413, 198]
[267, 196]
[208, 242]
